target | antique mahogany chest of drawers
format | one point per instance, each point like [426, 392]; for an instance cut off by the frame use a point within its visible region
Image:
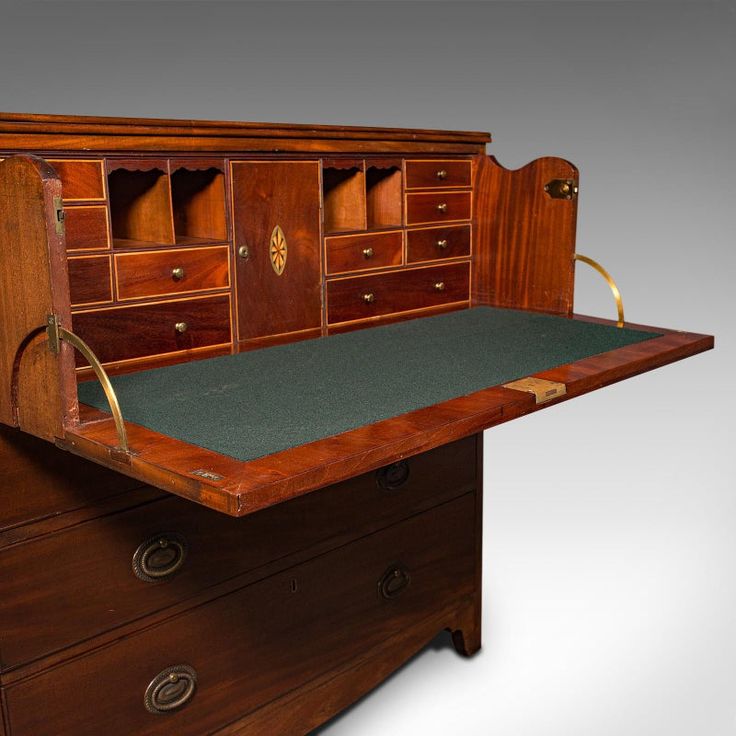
[244, 374]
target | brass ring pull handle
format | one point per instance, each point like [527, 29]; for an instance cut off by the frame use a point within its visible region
[181, 327]
[611, 283]
[159, 557]
[171, 689]
[442, 207]
[244, 252]
[442, 174]
[393, 476]
[177, 273]
[56, 333]
[368, 252]
[369, 298]
[442, 244]
[394, 582]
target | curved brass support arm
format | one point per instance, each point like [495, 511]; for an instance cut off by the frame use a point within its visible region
[611, 283]
[55, 333]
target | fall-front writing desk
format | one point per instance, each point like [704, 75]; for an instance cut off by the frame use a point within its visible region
[306, 327]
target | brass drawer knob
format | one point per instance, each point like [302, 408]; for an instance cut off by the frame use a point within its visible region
[244, 252]
[394, 582]
[442, 174]
[159, 557]
[368, 252]
[171, 689]
[177, 273]
[439, 286]
[392, 477]
[442, 244]
[442, 207]
[181, 327]
[369, 298]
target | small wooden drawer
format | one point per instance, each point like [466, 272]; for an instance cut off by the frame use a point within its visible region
[431, 207]
[90, 280]
[437, 174]
[170, 272]
[94, 577]
[81, 179]
[359, 252]
[122, 333]
[262, 641]
[433, 243]
[86, 227]
[363, 297]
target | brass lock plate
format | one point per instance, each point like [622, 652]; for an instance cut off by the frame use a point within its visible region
[562, 188]
[542, 389]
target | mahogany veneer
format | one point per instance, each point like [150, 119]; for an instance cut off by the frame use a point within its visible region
[126, 610]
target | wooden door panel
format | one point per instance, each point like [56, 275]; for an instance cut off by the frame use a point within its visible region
[277, 292]
[524, 238]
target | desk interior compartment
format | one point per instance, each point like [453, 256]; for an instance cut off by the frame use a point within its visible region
[81, 179]
[198, 198]
[344, 195]
[383, 193]
[140, 203]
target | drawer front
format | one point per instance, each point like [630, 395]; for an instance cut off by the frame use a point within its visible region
[86, 227]
[433, 243]
[81, 179]
[90, 280]
[83, 578]
[358, 252]
[371, 296]
[429, 207]
[170, 272]
[437, 174]
[122, 333]
[253, 645]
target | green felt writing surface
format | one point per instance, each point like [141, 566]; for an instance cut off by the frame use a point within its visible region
[260, 402]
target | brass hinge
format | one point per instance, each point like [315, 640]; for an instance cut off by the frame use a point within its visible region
[562, 188]
[542, 389]
[59, 216]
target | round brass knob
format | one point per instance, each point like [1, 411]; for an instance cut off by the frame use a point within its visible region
[442, 207]
[442, 174]
[181, 327]
[442, 244]
[171, 689]
[439, 286]
[369, 298]
[368, 252]
[177, 273]
[243, 252]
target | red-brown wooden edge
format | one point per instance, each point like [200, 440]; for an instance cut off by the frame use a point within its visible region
[249, 486]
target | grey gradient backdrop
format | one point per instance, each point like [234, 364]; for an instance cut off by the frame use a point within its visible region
[610, 548]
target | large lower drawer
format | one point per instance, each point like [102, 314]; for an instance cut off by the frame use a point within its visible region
[253, 645]
[75, 584]
[362, 297]
[121, 333]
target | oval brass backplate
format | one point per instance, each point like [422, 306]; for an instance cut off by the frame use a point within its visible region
[393, 476]
[278, 250]
[159, 557]
[394, 582]
[171, 689]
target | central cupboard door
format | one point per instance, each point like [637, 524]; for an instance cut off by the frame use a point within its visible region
[276, 210]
